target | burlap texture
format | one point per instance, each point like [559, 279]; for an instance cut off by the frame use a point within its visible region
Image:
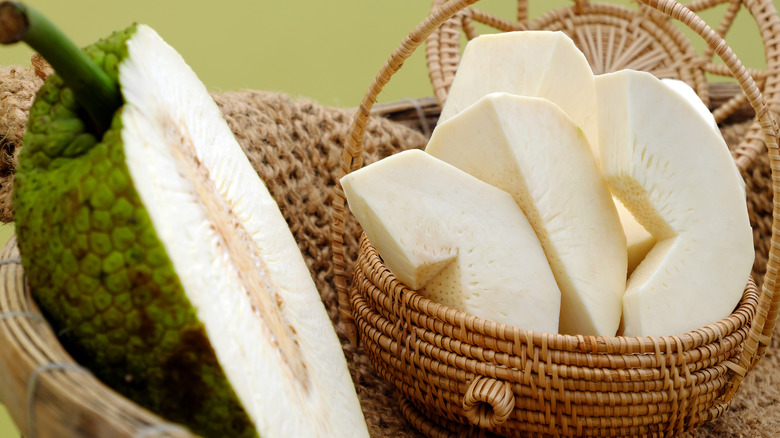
[295, 145]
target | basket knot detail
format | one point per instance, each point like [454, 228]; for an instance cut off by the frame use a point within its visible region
[488, 402]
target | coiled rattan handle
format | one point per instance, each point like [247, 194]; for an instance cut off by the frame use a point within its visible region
[488, 402]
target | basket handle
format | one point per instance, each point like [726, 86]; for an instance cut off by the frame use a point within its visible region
[352, 156]
[488, 402]
[763, 324]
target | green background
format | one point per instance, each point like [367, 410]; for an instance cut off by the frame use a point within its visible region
[328, 51]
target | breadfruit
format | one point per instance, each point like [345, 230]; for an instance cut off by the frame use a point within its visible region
[160, 258]
[530, 148]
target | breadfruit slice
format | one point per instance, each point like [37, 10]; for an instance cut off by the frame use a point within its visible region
[456, 239]
[531, 149]
[162, 260]
[528, 63]
[693, 99]
[675, 174]
[639, 240]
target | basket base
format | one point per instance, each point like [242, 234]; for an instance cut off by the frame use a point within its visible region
[432, 425]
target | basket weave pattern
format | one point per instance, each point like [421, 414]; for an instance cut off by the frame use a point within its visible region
[464, 376]
[436, 354]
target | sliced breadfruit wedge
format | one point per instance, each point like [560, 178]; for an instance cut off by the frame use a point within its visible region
[538, 64]
[158, 254]
[639, 241]
[531, 149]
[455, 239]
[674, 173]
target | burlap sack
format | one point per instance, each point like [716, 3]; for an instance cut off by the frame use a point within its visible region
[295, 146]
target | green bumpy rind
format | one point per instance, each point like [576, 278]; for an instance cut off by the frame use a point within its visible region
[99, 272]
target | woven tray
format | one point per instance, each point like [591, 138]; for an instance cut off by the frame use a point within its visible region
[461, 375]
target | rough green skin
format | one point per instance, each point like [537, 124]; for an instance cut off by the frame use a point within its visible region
[97, 269]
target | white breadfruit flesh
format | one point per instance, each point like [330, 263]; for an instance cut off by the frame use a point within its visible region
[528, 63]
[675, 174]
[638, 240]
[690, 95]
[455, 239]
[531, 149]
[233, 251]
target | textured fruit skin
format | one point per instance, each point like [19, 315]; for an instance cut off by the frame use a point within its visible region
[99, 272]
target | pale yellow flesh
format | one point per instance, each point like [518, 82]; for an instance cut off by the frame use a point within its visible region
[233, 252]
[531, 149]
[539, 64]
[674, 172]
[458, 240]
[693, 99]
[638, 240]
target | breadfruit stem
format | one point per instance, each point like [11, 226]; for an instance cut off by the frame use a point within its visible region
[94, 90]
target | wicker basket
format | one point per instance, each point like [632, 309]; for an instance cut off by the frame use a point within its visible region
[464, 376]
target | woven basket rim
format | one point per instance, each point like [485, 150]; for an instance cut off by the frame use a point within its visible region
[739, 318]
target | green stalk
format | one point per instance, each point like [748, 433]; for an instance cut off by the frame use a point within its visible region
[93, 89]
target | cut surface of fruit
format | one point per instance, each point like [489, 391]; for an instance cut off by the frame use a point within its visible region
[233, 252]
[527, 63]
[456, 239]
[674, 172]
[689, 94]
[531, 149]
[638, 240]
